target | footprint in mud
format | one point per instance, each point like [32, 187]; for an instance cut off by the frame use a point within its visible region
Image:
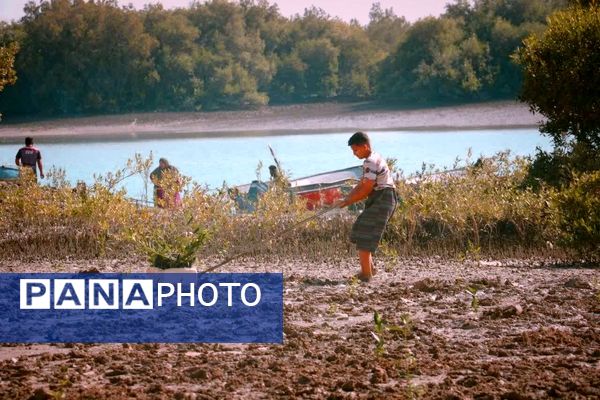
[429, 285]
[322, 282]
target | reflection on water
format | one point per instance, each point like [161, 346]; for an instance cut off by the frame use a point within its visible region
[234, 160]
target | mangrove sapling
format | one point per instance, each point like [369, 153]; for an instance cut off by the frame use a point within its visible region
[183, 259]
[378, 333]
[382, 328]
[175, 244]
[332, 309]
[472, 291]
[352, 285]
[405, 329]
[414, 392]
[406, 365]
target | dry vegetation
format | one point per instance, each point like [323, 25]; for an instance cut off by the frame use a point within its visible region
[488, 211]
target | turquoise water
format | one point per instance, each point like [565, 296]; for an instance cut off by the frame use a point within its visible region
[211, 161]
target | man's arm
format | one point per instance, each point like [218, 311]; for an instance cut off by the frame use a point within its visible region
[18, 158]
[359, 192]
[41, 167]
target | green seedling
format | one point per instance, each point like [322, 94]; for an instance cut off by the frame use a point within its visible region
[405, 328]
[406, 365]
[472, 290]
[413, 391]
[378, 332]
[381, 328]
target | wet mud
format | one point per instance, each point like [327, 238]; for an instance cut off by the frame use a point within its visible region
[516, 329]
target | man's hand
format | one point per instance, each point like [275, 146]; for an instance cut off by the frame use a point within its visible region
[358, 193]
[341, 203]
[42, 175]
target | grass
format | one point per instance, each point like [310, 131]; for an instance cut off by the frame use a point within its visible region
[486, 212]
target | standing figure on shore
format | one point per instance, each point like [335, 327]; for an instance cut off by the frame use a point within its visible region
[377, 186]
[31, 157]
[167, 184]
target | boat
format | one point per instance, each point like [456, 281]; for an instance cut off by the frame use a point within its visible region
[319, 190]
[8, 173]
[326, 188]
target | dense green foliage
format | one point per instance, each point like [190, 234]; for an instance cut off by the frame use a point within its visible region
[81, 56]
[579, 213]
[7, 60]
[561, 75]
[8, 75]
[561, 82]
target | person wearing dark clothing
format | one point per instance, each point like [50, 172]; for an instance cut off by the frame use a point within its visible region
[30, 157]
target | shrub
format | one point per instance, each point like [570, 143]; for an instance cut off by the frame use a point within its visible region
[484, 210]
[484, 207]
[578, 213]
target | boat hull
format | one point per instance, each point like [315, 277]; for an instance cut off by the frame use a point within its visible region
[319, 190]
[8, 173]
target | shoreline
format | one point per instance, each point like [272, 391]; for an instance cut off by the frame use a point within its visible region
[273, 120]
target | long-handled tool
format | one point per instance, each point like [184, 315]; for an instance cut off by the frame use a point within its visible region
[264, 244]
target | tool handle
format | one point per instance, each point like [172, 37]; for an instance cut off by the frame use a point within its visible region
[278, 237]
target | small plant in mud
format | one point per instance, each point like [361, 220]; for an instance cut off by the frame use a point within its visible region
[381, 329]
[391, 253]
[406, 364]
[63, 383]
[471, 253]
[332, 309]
[378, 332]
[352, 285]
[472, 291]
[405, 328]
[413, 391]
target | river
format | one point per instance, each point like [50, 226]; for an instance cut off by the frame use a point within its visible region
[212, 161]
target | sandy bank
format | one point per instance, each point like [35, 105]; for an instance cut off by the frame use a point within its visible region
[291, 119]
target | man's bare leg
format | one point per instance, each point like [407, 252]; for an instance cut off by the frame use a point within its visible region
[365, 263]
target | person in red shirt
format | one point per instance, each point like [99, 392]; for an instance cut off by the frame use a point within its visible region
[31, 157]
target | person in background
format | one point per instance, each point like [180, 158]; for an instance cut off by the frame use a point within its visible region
[31, 157]
[273, 172]
[277, 178]
[166, 185]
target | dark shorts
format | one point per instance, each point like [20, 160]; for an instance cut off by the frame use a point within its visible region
[370, 224]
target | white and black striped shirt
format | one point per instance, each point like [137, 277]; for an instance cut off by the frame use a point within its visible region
[375, 168]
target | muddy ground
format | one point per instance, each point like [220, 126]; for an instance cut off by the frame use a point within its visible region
[273, 120]
[534, 334]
